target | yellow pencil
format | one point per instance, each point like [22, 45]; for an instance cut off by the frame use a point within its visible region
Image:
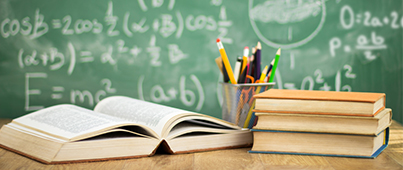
[261, 80]
[246, 124]
[262, 76]
[226, 61]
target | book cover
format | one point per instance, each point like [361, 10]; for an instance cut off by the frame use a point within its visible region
[325, 123]
[341, 145]
[320, 102]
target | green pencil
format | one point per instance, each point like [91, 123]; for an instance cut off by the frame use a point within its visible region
[273, 72]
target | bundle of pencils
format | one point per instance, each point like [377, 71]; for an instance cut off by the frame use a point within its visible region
[240, 84]
[247, 68]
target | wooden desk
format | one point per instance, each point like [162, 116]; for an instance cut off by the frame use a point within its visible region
[390, 158]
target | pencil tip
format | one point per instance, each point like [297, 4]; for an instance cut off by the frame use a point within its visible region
[218, 40]
[279, 51]
[246, 47]
[259, 46]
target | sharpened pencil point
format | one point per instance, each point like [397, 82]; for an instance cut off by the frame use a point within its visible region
[265, 69]
[278, 51]
[218, 40]
[259, 46]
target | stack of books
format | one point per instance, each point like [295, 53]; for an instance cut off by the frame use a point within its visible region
[328, 123]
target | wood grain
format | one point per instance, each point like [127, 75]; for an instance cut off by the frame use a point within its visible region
[162, 161]
[227, 159]
[383, 161]
[390, 158]
[11, 160]
[104, 165]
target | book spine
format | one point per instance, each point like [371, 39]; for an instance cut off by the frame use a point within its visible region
[374, 155]
[317, 113]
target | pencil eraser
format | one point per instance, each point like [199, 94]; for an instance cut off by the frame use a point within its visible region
[218, 40]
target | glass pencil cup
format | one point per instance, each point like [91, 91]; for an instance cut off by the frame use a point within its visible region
[238, 102]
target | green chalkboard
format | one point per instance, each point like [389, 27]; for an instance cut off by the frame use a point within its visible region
[163, 51]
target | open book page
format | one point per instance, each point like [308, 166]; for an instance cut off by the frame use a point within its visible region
[187, 127]
[68, 122]
[152, 115]
[198, 123]
[33, 132]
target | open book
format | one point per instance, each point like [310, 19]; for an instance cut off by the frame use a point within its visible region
[119, 127]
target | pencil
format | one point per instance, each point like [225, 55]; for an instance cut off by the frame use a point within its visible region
[263, 75]
[251, 65]
[258, 59]
[226, 61]
[243, 73]
[218, 61]
[246, 124]
[249, 116]
[270, 67]
[273, 70]
[269, 71]
[245, 58]
[247, 71]
[225, 74]
[237, 68]
[242, 76]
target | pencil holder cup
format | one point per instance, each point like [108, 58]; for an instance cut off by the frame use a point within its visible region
[238, 102]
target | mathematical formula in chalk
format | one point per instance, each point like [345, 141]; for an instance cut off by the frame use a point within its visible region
[163, 51]
[165, 25]
[79, 95]
[349, 19]
[316, 81]
[364, 43]
[113, 46]
[187, 97]
[59, 92]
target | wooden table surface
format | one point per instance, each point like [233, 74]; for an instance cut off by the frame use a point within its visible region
[390, 158]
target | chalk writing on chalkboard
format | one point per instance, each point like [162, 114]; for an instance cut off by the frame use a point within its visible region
[365, 43]
[76, 96]
[71, 54]
[298, 22]
[163, 51]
